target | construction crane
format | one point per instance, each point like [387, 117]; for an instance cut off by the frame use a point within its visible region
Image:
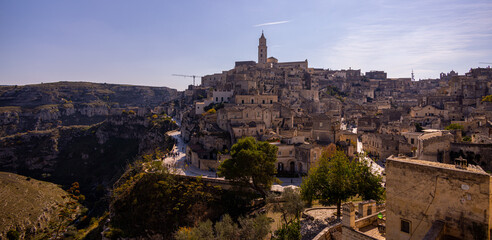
[193, 76]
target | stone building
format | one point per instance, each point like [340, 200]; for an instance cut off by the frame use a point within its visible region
[262, 50]
[434, 146]
[382, 146]
[256, 99]
[381, 75]
[307, 155]
[286, 161]
[429, 200]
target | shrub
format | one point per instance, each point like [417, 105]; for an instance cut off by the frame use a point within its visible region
[291, 231]
[454, 126]
[13, 235]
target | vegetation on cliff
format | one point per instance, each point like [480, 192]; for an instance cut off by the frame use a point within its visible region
[148, 200]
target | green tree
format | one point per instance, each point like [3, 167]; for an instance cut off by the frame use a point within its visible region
[291, 231]
[335, 179]
[487, 98]
[204, 230]
[256, 228]
[289, 204]
[454, 126]
[252, 164]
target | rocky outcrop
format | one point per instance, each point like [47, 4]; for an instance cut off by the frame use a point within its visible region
[31, 96]
[46, 106]
[92, 155]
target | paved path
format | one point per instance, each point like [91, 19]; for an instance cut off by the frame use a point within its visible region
[375, 167]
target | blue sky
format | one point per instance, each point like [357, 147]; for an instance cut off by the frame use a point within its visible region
[145, 42]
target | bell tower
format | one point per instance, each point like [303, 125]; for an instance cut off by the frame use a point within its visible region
[262, 50]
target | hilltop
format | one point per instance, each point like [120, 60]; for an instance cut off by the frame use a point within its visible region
[31, 96]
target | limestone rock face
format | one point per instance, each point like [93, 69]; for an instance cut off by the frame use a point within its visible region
[89, 154]
[77, 131]
[46, 106]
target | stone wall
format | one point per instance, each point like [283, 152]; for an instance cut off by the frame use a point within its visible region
[327, 233]
[351, 234]
[423, 192]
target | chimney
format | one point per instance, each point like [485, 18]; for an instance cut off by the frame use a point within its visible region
[461, 163]
[348, 219]
[458, 136]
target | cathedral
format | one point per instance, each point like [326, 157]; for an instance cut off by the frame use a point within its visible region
[265, 61]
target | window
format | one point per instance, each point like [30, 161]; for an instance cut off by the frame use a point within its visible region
[279, 153]
[280, 167]
[252, 101]
[271, 101]
[321, 124]
[412, 141]
[242, 101]
[263, 101]
[222, 99]
[216, 99]
[405, 226]
[369, 211]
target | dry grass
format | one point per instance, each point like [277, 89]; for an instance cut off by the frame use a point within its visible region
[25, 202]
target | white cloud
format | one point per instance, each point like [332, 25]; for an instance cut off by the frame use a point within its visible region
[271, 23]
[428, 43]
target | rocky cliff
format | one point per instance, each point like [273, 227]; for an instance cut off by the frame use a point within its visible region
[77, 131]
[47, 106]
[92, 155]
[31, 96]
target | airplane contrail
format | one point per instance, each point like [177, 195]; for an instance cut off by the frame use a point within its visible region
[271, 23]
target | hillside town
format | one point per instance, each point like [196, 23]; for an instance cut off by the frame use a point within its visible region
[266, 150]
[432, 138]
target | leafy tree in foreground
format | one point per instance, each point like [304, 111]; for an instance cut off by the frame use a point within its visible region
[252, 163]
[291, 231]
[248, 229]
[289, 204]
[335, 179]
